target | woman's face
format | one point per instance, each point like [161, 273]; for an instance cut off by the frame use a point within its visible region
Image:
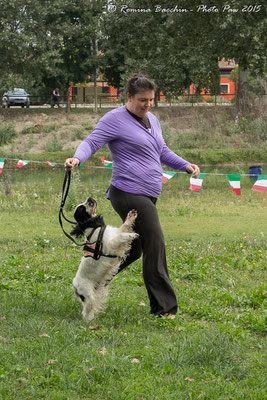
[141, 102]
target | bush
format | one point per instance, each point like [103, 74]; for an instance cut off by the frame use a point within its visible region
[257, 130]
[195, 99]
[54, 144]
[210, 99]
[168, 133]
[32, 129]
[78, 133]
[7, 133]
[231, 128]
[51, 128]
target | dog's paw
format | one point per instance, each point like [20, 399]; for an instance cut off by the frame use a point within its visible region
[132, 215]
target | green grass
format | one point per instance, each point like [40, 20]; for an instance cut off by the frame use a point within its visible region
[215, 349]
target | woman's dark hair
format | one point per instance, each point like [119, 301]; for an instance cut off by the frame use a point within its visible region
[139, 83]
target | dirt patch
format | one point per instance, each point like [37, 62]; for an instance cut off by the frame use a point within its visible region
[40, 132]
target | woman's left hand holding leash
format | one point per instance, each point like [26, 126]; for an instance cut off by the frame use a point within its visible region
[193, 169]
[71, 163]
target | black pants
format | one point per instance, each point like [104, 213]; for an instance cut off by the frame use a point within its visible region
[151, 244]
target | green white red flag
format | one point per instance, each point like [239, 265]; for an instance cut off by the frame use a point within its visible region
[167, 175]
[234, 181]
[22, 163]
[51, 164]
[2, 162]
[196, 183]
[107, 164]
[261, 184]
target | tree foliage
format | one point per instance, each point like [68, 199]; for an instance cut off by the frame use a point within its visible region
[61, 41]
[181, 48]
[53, 41]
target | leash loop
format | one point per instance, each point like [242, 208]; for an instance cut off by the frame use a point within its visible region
[65, 191]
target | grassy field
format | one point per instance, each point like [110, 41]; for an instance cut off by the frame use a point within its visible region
[215, 349]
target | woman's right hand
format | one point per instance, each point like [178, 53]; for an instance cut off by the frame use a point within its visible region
[71, 163]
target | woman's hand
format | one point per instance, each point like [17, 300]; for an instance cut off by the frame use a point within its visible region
[71, 163]
[193, 169]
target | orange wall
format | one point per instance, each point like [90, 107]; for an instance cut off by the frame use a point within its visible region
[223, 80]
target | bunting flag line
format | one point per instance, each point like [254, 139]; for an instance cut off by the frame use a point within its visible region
[51, 164]
[196, 183]
[107, 164]
[2, 162]
[261, 184]
[22, 163]
[234, 181]
[167, 175]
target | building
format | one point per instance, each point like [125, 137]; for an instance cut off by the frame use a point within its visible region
[228, 87]
[84, 93]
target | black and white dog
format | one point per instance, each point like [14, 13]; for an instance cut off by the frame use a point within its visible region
[105, 248]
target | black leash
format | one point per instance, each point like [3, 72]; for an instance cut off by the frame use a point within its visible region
[97, 251]
[65, 192]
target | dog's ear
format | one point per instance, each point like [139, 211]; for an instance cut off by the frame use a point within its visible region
[76, 231]
[80, 214]
[97, 221]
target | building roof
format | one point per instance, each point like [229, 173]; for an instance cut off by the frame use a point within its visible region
[227, 64]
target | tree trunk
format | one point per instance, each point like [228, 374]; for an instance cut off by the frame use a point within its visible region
[242, 97]
[95, 92]
[67, 97]
[156, 103]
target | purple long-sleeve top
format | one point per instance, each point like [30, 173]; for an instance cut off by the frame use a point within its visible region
[136, 152]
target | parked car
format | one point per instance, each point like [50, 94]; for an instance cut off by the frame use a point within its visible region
[16, 97]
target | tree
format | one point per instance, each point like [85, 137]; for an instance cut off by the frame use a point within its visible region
[167, 46]
[243, 38]
[51, 41]
[138, 42]
[180, 48]
[57, 42]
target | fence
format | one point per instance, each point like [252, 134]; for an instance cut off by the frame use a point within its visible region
[106, 100]
[102, 101]
[205, 99]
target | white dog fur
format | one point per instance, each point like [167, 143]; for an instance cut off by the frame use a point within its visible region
[91, 281]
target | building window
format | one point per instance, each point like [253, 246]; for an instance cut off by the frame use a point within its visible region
[224, 88]
[105, 89]
[74, 91]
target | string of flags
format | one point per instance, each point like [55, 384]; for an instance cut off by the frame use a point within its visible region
[22, 163]
[195, 184]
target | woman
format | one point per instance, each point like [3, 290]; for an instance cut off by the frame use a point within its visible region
[137, 147]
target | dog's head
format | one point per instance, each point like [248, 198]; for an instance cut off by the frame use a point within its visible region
[85, 215]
